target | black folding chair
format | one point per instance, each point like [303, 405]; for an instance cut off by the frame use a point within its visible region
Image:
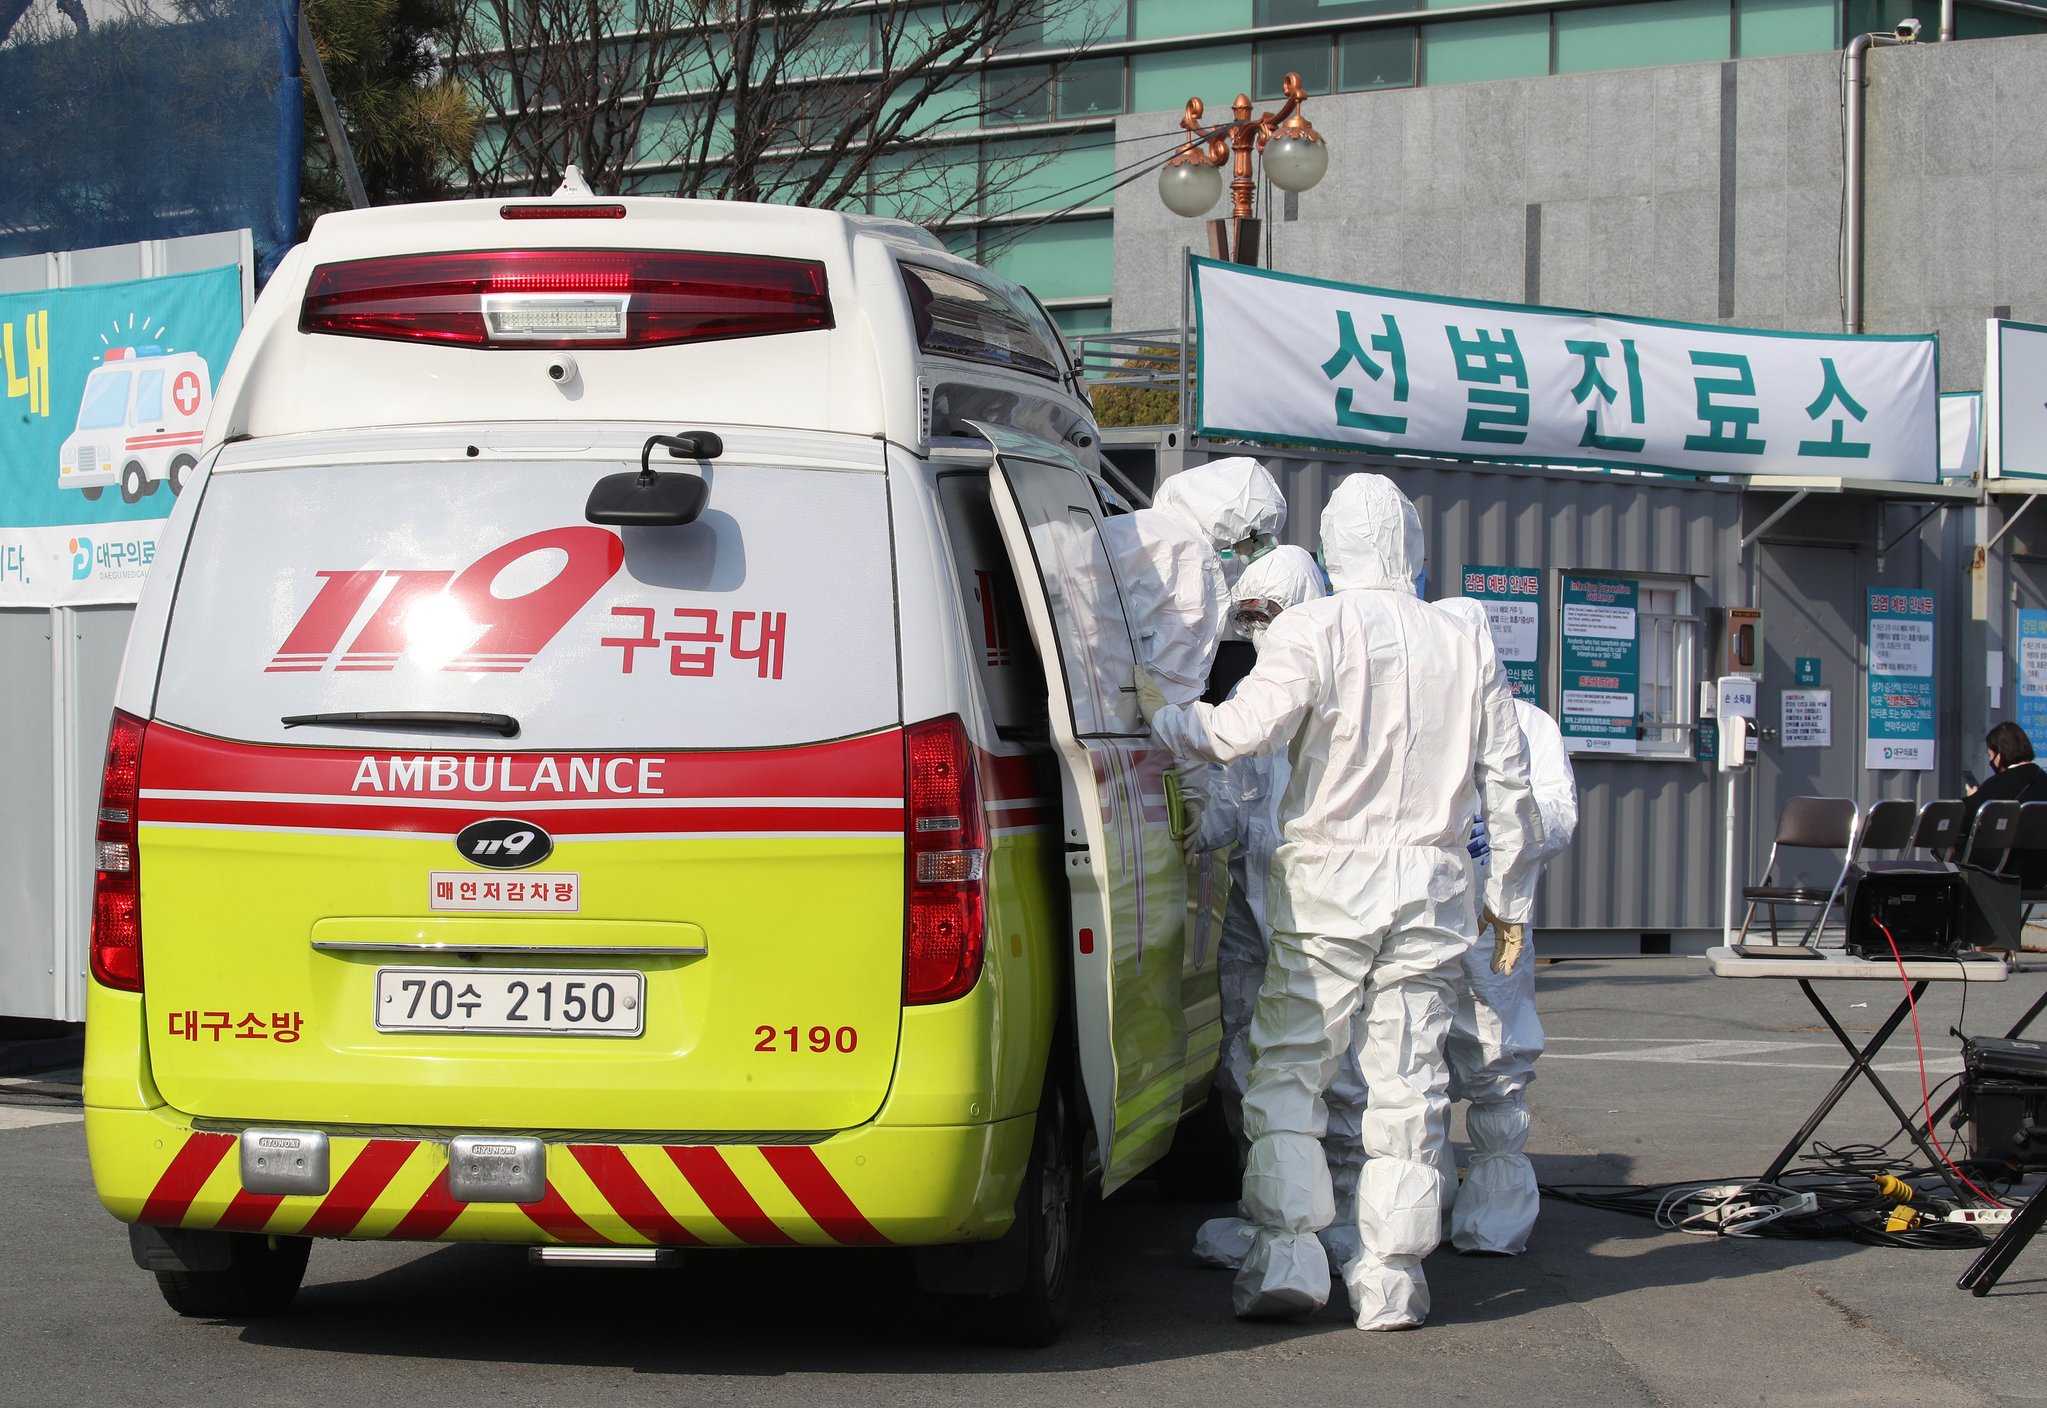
[1806, 823]
[1939, 828]
[1888, 827]
[1991, 835]
[2032, 836]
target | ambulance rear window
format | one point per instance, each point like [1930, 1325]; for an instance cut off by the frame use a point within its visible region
[956, 317]
[473, 588]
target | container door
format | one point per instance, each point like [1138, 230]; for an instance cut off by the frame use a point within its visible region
[1125, 874]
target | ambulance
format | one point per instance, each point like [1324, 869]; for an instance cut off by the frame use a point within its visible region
[141, 423]
[630, 746]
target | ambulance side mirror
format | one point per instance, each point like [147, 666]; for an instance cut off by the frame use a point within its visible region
[651, 499]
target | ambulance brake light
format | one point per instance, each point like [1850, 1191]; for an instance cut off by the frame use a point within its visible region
[116, 884]
[945, 927]
[548, 298]
[553, 210]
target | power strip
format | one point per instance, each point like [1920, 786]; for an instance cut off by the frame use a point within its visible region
[1730, 1205]
[1980, 1217]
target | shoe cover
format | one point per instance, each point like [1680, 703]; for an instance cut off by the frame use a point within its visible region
[1286, 1184]
[1388, 1293]
[1400, 1207]
[1496, 1208]
[1284, 1275]
[1223, 1242]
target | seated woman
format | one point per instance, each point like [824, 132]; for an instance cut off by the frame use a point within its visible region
[2014, 777]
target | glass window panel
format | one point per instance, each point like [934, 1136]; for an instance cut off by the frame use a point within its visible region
[1476, 51]
[148, 396]
[1087, 22]
[1642, 36]
[1164, 82]
[1766, 27]
[1072, 259]
[1018, 95]
[1310, 55]
[1162, 19]
[1024, 176]
[1082, 322]
[1309, 11]
[106, 401]
[1096, 654]
[1091, 88]
[927, 186]
[1375, 58]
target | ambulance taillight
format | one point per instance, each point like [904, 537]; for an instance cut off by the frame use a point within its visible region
[945, 924]
[553, 298]
[116, 882]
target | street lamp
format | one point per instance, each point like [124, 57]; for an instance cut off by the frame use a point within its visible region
[1294, 153]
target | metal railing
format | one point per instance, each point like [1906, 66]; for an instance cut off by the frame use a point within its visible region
[1138, 378]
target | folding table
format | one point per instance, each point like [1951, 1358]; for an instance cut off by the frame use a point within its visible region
[1833, 966]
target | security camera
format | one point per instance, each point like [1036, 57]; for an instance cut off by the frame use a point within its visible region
[562, 370]
[1908, 31]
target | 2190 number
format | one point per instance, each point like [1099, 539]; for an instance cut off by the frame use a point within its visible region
[844, 1040]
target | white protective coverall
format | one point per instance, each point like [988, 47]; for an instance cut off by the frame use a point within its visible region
[1496, 1034]
[1243, 813]
[1392, 723]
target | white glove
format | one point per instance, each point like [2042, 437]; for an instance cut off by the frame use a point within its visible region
[1149, 697]
[1507, 940]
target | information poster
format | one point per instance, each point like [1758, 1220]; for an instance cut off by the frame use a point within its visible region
[1900, 680]
[1601, 664]
[1512, 597]
[107, 392]
[2032, 663]
[1808, 718]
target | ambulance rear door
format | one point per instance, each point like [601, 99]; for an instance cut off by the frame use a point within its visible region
[1125, 876]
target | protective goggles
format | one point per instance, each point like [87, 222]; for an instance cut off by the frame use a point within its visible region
[1253, 546]
[1257, 611]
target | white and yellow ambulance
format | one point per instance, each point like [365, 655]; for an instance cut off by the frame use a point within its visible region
[628, 746]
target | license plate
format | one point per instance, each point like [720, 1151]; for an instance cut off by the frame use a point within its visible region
[575, 1001]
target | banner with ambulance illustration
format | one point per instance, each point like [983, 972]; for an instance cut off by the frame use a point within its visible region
[107, 390]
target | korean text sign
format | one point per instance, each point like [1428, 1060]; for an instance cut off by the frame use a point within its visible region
[107, 388]
[1901, 708]
[1512, 597]
[1600, 664]
[2032, 662]
[1342, 366]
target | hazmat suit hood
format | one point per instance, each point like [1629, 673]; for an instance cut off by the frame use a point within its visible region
[1226, 501]
[1470, 614]
[1371, 536]
[1286, 575]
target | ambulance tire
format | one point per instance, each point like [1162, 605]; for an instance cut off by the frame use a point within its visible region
[134, 483]
[1048, 1218]
[180, 467]
[263, 1275]
[94, 492]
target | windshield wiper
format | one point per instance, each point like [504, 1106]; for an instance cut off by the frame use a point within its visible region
[447, 720]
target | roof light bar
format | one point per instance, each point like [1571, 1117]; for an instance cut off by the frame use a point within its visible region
[546, 298]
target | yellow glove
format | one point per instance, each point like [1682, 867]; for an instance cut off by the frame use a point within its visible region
[1149, 698]
[1506, 941]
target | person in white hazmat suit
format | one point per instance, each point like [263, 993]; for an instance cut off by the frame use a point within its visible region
[1175, 589]
[1496, 1036]
[1243, 813]
[1392, 723]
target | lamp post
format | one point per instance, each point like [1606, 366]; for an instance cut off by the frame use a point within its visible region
[1294, 153]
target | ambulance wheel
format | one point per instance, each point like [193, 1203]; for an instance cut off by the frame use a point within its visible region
[263, 1275]
[94, 492]
[180, 467]
[1048, 1209]
[134, 483]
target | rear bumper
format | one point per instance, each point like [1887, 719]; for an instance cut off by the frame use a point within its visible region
[871, 1186]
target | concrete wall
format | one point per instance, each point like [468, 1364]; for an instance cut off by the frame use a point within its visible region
[1705, 192]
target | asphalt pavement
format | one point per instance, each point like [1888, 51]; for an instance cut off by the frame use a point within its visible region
[1656, 1072]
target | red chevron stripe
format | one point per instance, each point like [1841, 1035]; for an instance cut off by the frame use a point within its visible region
[630, 1197]
[433, 1214]
[249, 1212]
[172, 1197]
[557, 1219]
[806, 1176]
[726, 1196]
[357, 1189]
